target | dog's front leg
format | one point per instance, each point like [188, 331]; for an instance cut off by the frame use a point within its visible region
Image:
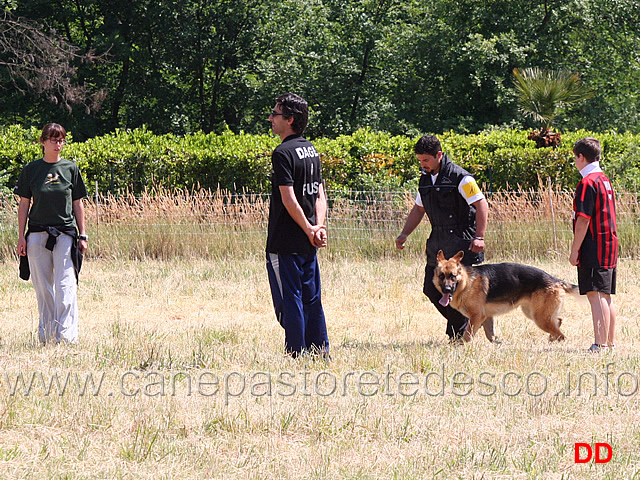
[488, 329]
[475, 321]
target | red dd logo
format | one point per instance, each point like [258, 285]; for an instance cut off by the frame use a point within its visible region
[580, 448]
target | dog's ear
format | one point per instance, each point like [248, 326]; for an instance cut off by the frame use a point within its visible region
[440, 256]
[458, 256]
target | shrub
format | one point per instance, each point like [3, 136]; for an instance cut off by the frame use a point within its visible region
[134, 160]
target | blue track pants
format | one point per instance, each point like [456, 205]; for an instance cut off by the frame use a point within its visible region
[295, 289]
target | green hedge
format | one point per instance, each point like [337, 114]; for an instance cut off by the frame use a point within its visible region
[505, 160]
[134, 160]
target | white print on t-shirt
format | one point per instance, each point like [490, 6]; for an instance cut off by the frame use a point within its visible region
[306, 152]
[310, 188]
[608, 188]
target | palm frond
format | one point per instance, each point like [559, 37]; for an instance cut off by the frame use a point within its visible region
[542, 94]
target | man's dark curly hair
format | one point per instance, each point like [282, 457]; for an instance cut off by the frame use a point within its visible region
[297, 107]
[428, 144]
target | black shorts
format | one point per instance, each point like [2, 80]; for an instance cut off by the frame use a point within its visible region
[597, 280]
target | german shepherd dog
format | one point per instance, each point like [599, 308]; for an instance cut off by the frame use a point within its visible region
[483, 291]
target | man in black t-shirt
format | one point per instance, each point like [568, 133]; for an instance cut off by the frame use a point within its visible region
[296, 230]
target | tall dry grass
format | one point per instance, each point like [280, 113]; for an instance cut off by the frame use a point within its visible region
[163, 224]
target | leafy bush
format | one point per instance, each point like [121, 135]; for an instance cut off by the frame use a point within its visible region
[136, 159]
[366, 160]
[504, 160]
[18, 146]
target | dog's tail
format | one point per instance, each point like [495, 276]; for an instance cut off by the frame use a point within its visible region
[571, 289]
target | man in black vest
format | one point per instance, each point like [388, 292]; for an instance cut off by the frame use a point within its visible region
[457, 211]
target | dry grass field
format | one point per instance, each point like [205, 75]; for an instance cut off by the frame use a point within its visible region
[179, 374]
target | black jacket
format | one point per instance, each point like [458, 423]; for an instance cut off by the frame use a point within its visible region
[453, 220]
[54, 233]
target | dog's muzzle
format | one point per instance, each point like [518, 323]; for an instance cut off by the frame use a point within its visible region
[447, 294]
[446, 298]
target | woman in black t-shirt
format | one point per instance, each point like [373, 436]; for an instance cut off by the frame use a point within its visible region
[51, 191]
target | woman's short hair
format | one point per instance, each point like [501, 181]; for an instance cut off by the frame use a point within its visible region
[52, 130]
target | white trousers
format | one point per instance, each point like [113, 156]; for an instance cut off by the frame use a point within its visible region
[56, 289]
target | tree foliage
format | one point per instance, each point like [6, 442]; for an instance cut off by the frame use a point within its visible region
[402, 66]
[42, 64]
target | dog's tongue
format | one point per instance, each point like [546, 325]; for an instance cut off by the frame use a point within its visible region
[446, 298]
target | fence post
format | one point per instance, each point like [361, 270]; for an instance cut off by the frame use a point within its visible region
[97, 212]
[553, 216]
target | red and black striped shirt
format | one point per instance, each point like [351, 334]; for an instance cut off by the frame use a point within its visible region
[595, 200]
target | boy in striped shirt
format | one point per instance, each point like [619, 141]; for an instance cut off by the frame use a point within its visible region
[595, 244]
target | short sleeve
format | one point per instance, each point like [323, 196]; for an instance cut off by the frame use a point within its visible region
[469, 190]
[282, 169]
[23, 187]
[585, 200]
[79, 190]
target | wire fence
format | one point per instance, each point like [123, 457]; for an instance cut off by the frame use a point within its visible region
[166, 224]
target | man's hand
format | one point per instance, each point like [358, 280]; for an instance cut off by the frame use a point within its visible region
[318, 236]
[477, 245]
[400, 241]
[574, 258]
